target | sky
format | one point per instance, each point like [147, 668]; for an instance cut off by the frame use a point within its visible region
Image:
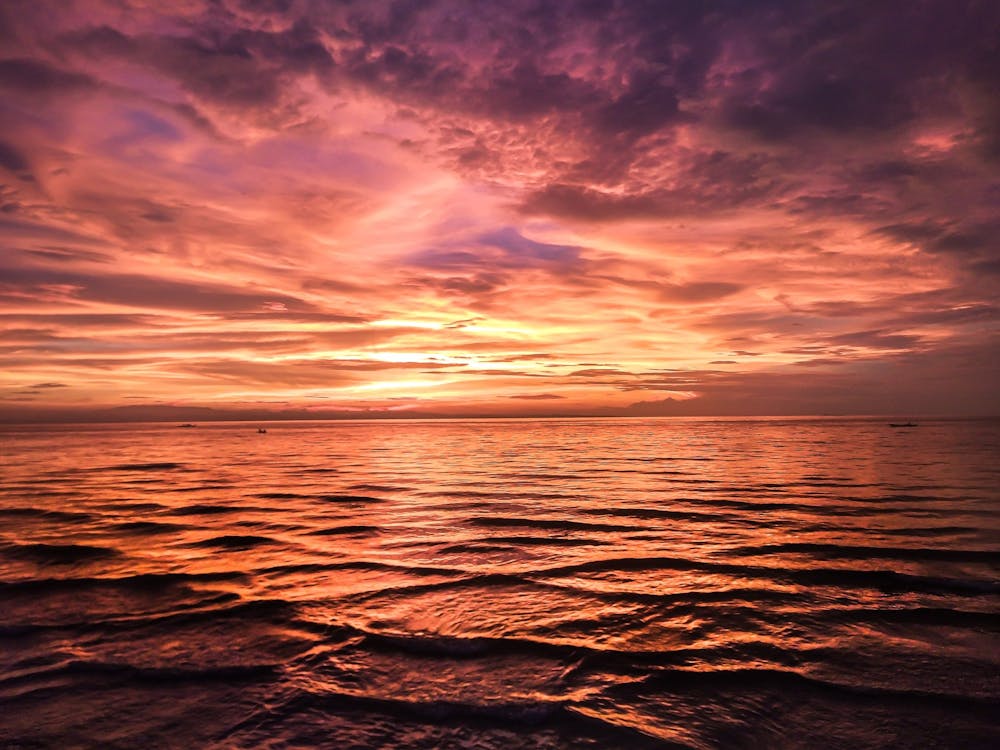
[454, 208]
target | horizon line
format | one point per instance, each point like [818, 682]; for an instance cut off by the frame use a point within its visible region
[520, 417]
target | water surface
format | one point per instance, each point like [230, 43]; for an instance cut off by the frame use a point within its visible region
[500, 584]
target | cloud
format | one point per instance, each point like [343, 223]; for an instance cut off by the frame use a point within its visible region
[698, 291]
[141, 291]
[780, 204]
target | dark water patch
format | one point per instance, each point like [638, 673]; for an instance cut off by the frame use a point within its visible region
[224, 606]
[59, 554]
[751, 505]
[451, 646]
[319, 470]
[909, 499]
[739, 594]
[45, 493]
[546, 541]
[205, 608]
[367, 565]
[200, 488]
[831, 483]
[831, 507]
[940, 616]
[370, 720]
[129, 674]
[459, 580]
[752, 490]
[148, 527]
[677, 515]
[208, 509]
[703, 484]
[553, 644]
[335, 498]
[663, 459]
[472, 548]
[858, 552]
[556, 524]
[159, 466]
[931, 531]
[671, 601]
[482, 585]
[61, 516]
[791, 682]
[235, 541]
[501, 496]
[528, 712]
[583, 470]
[377, 488]
[539, 475]
[268, 526]
[888, 581]
[345, 530]
[350, 499]
[132, 507]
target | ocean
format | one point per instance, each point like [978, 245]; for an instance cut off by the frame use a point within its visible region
[606, 583]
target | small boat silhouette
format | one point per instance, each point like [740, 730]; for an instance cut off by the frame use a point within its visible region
[902, 424]
[261, 430]
[187, 424]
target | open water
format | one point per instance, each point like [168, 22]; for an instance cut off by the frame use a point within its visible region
[684, 583]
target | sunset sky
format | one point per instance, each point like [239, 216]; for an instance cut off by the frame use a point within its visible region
[499, 208]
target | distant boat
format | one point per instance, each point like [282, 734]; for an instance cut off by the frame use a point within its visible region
[261, 430]
[903, 424]
[187, 424]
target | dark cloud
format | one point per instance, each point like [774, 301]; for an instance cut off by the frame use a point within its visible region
[12, 159]
[587, 204]
[244, 68]
[33, 77]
